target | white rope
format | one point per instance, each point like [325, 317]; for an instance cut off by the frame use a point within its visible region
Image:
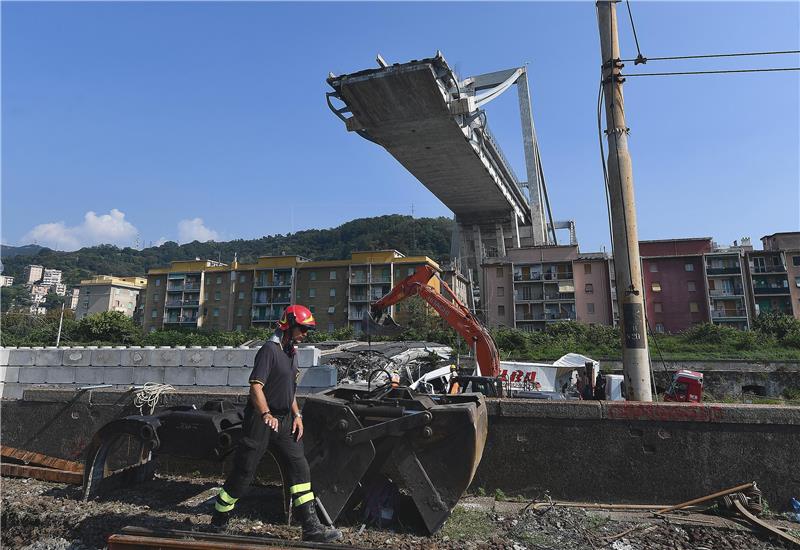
[149, 395]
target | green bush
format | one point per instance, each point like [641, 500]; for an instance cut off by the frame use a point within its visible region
[776, 324]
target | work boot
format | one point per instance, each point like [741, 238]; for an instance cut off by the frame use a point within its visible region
[219, 521]
[313, 530]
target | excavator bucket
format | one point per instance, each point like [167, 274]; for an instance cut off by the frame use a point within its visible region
[382, 324]
[424, 448]
[208, 433]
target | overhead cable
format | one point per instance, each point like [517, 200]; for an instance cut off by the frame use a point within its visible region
[707, 56]
[715, 72]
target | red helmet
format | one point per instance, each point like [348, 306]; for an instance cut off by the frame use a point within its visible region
[297, 315]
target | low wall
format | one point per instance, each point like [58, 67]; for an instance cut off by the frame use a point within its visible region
[588, 451]
[71, 368]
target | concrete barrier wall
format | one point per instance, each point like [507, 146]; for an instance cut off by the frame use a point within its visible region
[121, 367]
[585, 451]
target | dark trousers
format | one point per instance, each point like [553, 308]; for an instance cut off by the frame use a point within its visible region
[257, 438]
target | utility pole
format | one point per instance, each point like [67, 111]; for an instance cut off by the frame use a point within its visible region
[60, 322]
[630, 293]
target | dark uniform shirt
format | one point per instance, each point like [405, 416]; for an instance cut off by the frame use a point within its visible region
[277, 372]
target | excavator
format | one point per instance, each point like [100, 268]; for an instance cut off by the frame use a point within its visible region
[455, 313]
[376, 452]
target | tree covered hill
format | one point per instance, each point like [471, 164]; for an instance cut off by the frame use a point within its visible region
[411, 236]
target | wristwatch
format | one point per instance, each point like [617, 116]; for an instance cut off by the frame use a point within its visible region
[265, 413]
[298, 415]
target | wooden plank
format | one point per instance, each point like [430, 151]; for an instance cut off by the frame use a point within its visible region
[38, 459]
[44, 474]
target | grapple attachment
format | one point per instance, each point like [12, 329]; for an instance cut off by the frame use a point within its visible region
[208, 433]
[380, 323]
[426, 447]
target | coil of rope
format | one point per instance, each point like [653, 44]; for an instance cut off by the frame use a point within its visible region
[149, 395]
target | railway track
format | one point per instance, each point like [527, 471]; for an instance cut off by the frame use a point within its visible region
[141, 538]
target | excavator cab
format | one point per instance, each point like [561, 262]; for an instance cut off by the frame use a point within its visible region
[686, 387]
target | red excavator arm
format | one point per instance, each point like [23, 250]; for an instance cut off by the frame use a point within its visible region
[457, 315]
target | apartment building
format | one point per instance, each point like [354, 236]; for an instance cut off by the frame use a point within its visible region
[533, 286]
[728, 287]
[216, 296]
[107, 293]
[72, 298]
[5, 280]
[789, 244]
[51, 277]
[769, 282]
[32, 274]
[673, 275]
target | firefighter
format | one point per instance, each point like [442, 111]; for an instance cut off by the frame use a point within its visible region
[272, 420]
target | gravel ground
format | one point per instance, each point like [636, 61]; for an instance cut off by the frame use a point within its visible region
[38, 515]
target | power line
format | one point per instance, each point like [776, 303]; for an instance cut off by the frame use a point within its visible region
[707, 56]
[715, 72]
[640, 58]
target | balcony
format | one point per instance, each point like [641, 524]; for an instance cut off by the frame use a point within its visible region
[191, 286]
[282, 298]
[181, 321]
[560, 316]
[724, 270]
[356, 315]
[728, 314]
[359, 298]
[265, 319]
[278, 282]
[769, 269]
[174, 303]
[778, 290]
[716, 293]
[175, 288]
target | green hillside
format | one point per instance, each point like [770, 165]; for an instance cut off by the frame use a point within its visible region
[411, 236]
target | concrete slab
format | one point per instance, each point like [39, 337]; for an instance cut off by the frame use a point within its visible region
[318, 377]
[89, 376]
[308, 357]
[49, 357]
[22, 357]
[180, 376]
[239, 376]
[106, 357]
[135, 357]
[60, 375]
[33, 375]
[10, 375]
[212, 376]
[165, 357]
[4, 353]
[143, 375]
[12, 391]
[197, 357]
[118, 375]
[76, 357]
[536, 408]
[231, 357]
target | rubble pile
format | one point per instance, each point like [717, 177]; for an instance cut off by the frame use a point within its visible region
[38, 515]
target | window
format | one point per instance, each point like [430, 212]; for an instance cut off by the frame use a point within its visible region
[795, 260]
[298, 294]
[219, 280]
[241, 295]
[311, 309]
[691, 286]
[217, 296]
[656, 287]
[587, 269]
[158, 281]
[206, 296]
[215, 312]
[312, 275]
[501, 311]
[653, 268]
[331, 310]
[688, 267]
[156, 298]
[153, 314]
[238, 312]
[238, 328]
[499, 271]
[657, 307]
[589, 288]
[332, 293]
[660, 328]
[590, 308]
[331, 327]
[501, 291]
[694, 307]
[243, 278]
[797, 281]
[312, 292]
[411, 269]
[332, 276]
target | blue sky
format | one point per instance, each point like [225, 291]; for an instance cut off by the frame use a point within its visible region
[149, 121]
